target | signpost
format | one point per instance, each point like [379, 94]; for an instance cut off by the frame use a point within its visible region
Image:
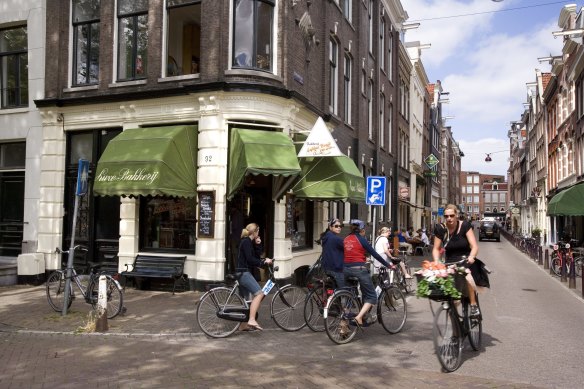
[431, 161]
[82, 176]
[375, 194]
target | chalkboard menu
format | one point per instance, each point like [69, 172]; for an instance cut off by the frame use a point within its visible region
[206, 214]
[289, 215]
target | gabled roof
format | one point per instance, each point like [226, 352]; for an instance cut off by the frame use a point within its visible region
[545, 79]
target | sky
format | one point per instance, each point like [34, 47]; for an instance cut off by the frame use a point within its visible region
[485, 61]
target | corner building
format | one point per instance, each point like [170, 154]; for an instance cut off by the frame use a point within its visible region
[191, 114]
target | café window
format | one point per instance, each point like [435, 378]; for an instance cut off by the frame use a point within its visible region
[302, 225]
[167, 224]
[132, 39]
[183, 37]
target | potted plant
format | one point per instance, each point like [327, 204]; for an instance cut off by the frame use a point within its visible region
[536, 232]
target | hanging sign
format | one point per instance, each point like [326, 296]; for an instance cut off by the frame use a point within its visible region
[320, 142]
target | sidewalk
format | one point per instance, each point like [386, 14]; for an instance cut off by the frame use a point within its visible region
[25, 308]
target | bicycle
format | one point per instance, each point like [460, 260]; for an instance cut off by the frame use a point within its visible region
[450, 328]
[398, 276]
[345, 304]
[56, 288]
[563, 257]
[221, 310]
[320, 290]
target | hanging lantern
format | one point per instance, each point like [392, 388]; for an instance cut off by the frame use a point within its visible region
[488, 159]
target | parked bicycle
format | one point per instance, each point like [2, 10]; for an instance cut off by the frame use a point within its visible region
[563, 258]
[451, 327]
[398, 277]
[57, 281]
[319, 292]
[344, 305]
[221, 310]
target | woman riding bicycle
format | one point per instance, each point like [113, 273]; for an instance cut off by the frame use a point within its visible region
[458, 240]
[249, 257]
[333, 252]
[356, 247]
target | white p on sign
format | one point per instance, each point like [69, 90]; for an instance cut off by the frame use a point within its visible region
[375, 193]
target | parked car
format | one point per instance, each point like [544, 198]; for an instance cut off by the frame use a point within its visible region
[489, 229]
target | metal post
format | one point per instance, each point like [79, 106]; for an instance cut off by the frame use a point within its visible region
[563, 267]
[572, 276]
[546, 262]
[70, 259]
[101, 324]
[539, 255]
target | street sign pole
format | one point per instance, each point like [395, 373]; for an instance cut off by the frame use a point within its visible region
[82, 175]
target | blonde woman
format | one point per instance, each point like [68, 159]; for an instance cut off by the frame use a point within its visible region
[457, 239]
[249, 257]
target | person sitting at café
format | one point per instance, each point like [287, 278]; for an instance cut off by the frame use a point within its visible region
[403, 242]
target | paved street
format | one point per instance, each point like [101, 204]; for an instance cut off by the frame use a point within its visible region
[532, 338]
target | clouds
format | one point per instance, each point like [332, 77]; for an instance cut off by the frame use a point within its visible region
[484, 61]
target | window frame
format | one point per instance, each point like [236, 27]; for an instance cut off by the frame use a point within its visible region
[347, 76]
[167, 65]
[89, 23]
[333, 76]
[18, 55]
[133, 17]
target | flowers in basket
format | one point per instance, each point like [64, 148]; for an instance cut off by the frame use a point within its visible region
[437, 279]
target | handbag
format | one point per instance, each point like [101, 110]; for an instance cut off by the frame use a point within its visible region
[480, 273]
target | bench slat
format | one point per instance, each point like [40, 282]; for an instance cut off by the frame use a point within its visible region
[156, 266]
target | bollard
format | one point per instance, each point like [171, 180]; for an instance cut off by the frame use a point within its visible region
[572, 275]
[539, 255]
[101, 322]
[546, 261]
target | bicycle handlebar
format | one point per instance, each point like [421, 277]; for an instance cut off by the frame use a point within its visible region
[78, 247]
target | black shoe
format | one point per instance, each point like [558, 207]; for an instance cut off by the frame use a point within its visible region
[474, 311]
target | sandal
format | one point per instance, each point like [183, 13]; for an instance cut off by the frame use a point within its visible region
[254, 327]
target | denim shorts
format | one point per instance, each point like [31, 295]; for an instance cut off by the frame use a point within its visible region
[367, 288]
[339, 278]
[248, 284]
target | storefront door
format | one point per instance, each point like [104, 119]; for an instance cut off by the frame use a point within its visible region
[11, 213]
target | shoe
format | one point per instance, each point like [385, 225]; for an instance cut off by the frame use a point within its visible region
[408, 277]
[474, 311]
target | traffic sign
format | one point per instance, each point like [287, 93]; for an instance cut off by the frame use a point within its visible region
[375, 192]
[441, 211]
[82, 176]
[404, 192]
[431, 161]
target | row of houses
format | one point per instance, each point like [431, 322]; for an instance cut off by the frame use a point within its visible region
[191, 114]
[546, 167]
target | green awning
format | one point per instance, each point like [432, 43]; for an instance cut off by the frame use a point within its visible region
[569, 202]
[330, 178]
[152, 161]
[261, 152]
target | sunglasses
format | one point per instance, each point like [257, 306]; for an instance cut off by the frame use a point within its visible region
[449, 215]
[337, 226]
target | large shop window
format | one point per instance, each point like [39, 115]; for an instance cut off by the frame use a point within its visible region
[302, 225]
[252, 34]
[13, 68]
[86, 41]
[132, 39]
[183, 37]
[167, 223]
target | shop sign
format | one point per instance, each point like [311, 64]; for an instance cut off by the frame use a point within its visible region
[320, 142]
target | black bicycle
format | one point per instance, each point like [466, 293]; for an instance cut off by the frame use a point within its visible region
[344, 305]
[451, 326]
[90, 292]
[221, 310]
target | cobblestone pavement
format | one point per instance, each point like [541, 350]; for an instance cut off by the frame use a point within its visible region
[157, 344]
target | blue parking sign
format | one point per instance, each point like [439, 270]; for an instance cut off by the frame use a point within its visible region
[375, 193]
[82, 177]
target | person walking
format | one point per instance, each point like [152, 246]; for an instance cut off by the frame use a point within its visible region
[250, 251]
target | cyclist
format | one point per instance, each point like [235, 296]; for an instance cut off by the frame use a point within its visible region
[457, 239]
[356, 248]
[250, 251]
[333, 252]
[383, 248]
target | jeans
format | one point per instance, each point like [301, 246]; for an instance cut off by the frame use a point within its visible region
[248, 284]
[339, 278]
[367, 288]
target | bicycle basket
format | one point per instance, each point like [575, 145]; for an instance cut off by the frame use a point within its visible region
[435, 291]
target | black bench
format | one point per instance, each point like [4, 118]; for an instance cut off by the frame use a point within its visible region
[157, 266]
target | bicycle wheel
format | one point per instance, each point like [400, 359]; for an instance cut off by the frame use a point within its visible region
[475, 328]
[115, 297]
[556, 266]
[392, 310]
[287, 308]
[56, 291]
[447, 339]
[578, 262]
[210, 304]
[408, 283]
[313, 308]
[342, 308]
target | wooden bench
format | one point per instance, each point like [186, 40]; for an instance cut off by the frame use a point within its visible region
[157, 266]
